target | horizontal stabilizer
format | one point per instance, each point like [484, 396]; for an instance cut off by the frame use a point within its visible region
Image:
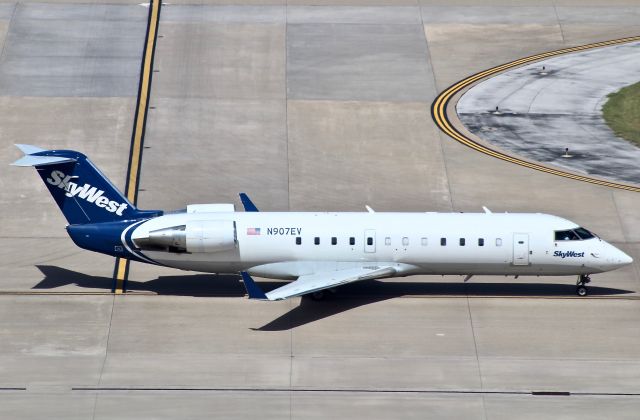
[326, 280]
[31, 160]
[28, 149]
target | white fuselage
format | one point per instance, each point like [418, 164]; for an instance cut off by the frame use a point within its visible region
[266, 244]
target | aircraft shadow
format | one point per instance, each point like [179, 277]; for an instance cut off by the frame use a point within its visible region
[355, 295]
[348, 297]
[199, 285]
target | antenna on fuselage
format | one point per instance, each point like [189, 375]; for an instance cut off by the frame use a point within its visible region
[486, 210]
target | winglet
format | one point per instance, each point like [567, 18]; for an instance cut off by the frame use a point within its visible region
[247, 203]
[253, 290]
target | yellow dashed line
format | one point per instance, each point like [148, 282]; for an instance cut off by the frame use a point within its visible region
[439, 113]
[142, 105]
[122, 265]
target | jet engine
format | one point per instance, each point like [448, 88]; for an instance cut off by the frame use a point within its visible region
[195, 236]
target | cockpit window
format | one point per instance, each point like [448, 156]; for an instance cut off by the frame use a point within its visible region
[584, 233]
[566, 235]
[573, 235]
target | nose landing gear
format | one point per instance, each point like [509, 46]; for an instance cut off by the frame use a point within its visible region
[581, 285]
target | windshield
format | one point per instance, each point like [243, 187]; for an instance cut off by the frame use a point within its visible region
[573, 234]
[584, 233]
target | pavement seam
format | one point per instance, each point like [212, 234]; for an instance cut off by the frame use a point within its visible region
[475, 348]
[106, 354]
[4, 44]
[555, 10]
[507, 392]
[291, 329]
[620, 219]
[52, 258]
[624, 231]
[435, 87]
[351, 297]
[286, 122]
[286, 100]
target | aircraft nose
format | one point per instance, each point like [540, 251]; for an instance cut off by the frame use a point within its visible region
[625, 259]
[619, 259]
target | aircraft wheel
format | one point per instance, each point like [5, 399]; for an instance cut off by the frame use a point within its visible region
[581, 291]
[319, 295]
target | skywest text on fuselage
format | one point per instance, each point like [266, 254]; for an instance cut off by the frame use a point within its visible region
[568, 254]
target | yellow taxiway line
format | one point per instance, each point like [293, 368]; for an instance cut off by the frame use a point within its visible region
[439, 114]
[121, 271]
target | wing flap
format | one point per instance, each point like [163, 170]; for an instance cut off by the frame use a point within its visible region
[326, 280]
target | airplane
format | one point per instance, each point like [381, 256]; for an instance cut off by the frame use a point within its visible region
[318, 251]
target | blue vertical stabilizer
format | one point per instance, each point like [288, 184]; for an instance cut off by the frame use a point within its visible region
[82, 192]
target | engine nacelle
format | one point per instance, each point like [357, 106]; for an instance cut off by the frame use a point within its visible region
[195, 236]
[210, 235]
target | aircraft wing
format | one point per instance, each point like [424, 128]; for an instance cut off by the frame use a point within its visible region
[316, 282]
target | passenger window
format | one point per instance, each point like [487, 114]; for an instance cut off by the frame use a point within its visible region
[298, 240]
[334, 241]
[369, 241]
[352, 241]
[387, 241]
[405, 241]
[462, 241]
[424, 241]
[566, 235]
[443, 241]
[480, 241]
[498, 241]
[316, 240]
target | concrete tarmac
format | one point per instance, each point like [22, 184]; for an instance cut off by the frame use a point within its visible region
[247, 97]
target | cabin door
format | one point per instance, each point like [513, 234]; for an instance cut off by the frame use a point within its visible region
[520, 249]
[369, 240]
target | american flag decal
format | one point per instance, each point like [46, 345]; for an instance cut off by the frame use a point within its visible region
[253, 231]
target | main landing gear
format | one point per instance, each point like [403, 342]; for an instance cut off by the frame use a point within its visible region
[317, 296]
[322, 294]
[581, 285]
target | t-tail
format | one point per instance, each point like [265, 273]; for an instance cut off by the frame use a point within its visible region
[100, 217]
[82, 192]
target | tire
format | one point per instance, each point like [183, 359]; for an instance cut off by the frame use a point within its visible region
[581, 291]
[319, 295]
